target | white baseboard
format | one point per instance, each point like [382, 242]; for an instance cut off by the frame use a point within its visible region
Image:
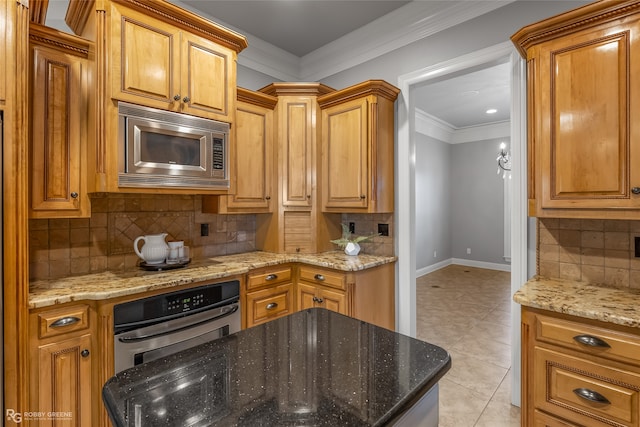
[466, 262]
[433, 267]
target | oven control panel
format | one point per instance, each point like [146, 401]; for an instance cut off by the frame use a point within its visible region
[181, 303]
[147, 311]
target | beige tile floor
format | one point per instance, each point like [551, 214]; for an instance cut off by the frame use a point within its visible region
[466, 311]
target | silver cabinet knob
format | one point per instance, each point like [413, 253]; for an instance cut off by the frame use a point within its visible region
[186, 99]
[177, 97]
[74, 195]
[635, 190]
[84, 353]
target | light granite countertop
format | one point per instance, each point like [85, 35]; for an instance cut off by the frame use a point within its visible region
[107, 285]
[614, 305]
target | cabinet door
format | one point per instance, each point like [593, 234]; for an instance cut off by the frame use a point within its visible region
[57, 155]
[253, 158]
[306, 296]
[586, 135]
[65, 381]
[145, 60]
[344, 155]
[297, 139]
[206, 72]
[332, 300]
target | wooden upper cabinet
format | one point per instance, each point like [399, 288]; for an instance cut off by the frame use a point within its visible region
[252, 160]
[357, 148]
[59, 135]
[584, 145]
[159, 65]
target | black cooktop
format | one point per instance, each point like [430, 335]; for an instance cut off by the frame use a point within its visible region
[311, 368]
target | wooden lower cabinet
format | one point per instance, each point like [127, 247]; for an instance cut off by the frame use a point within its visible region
[268, 294]
[579, 372]
[61, 367]
[309, 296]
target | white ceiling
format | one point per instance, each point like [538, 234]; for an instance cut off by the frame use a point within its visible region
[308, 29]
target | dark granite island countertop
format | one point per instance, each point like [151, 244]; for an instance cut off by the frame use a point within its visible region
[311, 368]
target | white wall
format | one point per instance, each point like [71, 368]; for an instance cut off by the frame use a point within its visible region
[433, 202]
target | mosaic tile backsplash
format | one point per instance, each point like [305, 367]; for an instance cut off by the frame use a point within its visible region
[591, 251]
[69, 247]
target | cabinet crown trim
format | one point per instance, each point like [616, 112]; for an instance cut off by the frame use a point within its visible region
[58, 40]
[257, 98]
[369, 87]
[571, 21]
[296, 89]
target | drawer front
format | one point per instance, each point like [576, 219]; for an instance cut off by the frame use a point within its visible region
[62, 321]
[545, 420]
[584, 392]
[268, 277]
[589, 339]
[323, 277]
[269, 304]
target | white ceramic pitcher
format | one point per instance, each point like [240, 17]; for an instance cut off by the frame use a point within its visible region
[154, 250]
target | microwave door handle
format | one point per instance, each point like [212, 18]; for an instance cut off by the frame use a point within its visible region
[181, 328]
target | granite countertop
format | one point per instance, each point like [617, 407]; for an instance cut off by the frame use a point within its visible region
[607, 304]
[314, 367]
[107, 285]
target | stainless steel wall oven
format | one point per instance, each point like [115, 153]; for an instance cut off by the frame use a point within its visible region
[154, 327]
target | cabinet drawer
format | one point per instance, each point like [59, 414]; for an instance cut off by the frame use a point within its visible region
[268, 304]
[589, 339]
[268, 277]
[575, 389]
[545, 420]
[62, 321]
[323, 277]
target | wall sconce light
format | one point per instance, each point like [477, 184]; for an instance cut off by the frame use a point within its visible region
[504, 161]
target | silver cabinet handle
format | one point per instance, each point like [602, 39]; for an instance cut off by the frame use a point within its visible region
[635, 190]
[592, 396]
[74, 195]
[271, 277]
[186, 99]
[591, 341]
[65, 321]
[177, 97]
[84, 353]
[319, 277]
[272, 305]
[318, 300]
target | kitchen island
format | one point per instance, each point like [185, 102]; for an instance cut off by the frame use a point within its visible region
[314, 367]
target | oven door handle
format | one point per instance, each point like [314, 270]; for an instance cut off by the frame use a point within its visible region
[182, 328]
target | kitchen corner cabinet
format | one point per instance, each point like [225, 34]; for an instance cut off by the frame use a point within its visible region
[367, 295]
[252, 160]
[297, 224]
[579, 372]
[157, 64]
[358, 148]
[268, 295]
[59, 134]
[61, 366]
[583, 140]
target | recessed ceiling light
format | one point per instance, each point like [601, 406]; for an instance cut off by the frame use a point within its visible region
[491, 111]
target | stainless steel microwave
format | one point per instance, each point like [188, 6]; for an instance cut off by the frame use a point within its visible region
[160, 148]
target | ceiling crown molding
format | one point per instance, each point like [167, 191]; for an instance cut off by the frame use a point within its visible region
[402, 26]
[434, 127]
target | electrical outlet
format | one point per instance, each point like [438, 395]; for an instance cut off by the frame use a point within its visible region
[204, 230]
[435, 254]
[352, 227]
[468, 251]
[383, 229]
